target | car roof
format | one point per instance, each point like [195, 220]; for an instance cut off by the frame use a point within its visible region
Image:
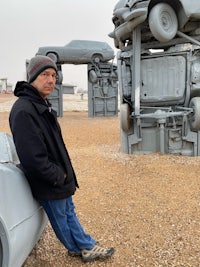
[88, 43]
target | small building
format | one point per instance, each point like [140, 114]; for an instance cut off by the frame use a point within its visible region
[68, 89]
[5, 87]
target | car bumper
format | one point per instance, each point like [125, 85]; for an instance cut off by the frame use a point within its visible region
[131, 20]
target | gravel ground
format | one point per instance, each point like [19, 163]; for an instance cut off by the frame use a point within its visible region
[146, 206]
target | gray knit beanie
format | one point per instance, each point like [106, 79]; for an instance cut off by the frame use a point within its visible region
[37, 65]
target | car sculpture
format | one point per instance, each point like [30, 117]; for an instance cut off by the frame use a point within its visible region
[159, 75]
[79, 52]
[160, 19]
[22, 219]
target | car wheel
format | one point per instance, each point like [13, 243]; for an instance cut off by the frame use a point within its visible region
[195, 119]
[53, 56]
[125, 117]
[93, 76]
[97, 58]
[163, 22]
[59, 77]
[124, 142]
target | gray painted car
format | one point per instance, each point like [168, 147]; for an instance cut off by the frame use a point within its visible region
[79, 52]
[22, 219]
[159, 19]
[159, 75]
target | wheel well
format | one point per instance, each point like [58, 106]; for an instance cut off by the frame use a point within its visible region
[97, 55]
[53, 52]
[176, 5]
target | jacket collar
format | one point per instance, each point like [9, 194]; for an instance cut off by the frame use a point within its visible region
[42, 108]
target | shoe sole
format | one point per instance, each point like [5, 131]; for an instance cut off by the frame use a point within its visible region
[99, 257]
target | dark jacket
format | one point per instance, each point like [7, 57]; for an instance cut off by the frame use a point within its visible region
[40, 146]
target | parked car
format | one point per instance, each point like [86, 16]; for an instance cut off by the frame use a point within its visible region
[159, 19]
[79, 52]
[22, 219]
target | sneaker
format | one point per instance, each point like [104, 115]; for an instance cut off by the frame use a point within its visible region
[96, 252]
[74, 254]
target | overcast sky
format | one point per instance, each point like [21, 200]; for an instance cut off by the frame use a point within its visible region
[25, 25]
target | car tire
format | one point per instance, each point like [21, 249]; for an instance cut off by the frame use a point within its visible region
[97, 58]
[59, 77]
[195, 118]
[125, 117]
[93, 76]
[53, 56]
[163, 22]
[124, 142]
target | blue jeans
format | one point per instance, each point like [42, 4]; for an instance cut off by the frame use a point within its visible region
[66, 225]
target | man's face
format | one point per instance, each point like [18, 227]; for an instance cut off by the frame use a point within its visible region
[45, 82]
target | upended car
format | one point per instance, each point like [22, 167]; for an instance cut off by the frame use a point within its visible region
[160, 20]
[78, 52]
[159, 75]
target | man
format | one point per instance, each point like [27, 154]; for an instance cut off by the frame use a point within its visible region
[45, 161]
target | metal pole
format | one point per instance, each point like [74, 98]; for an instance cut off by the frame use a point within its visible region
[136, 39]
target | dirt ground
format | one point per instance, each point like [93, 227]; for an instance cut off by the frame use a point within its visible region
[146, 206]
